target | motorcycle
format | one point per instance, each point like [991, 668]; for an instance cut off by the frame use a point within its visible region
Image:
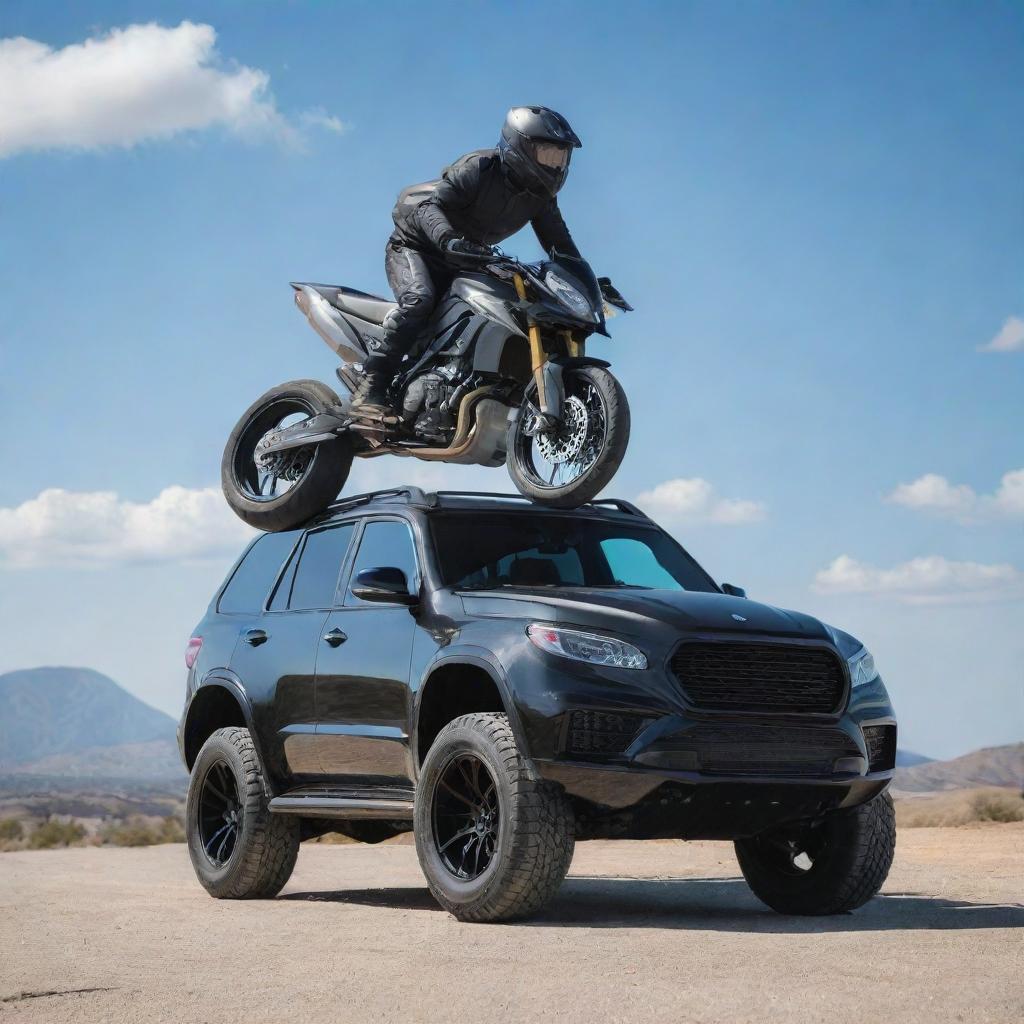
[499, 375]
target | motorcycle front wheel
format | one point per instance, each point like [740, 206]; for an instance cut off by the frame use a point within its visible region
[290, 487]
[568, 466]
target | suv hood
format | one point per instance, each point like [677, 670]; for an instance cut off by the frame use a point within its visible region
[686, 611]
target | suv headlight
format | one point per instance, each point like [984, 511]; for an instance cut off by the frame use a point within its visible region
[570, 297]
[862, 668]
[589, 647]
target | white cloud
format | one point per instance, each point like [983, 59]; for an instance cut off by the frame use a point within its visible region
[133, 84]
[929, 579]
[935, 494]
[319, 118]
[1009, 339]
[97, 528]
[694, 501]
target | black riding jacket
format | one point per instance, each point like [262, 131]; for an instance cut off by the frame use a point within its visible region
[475, 199]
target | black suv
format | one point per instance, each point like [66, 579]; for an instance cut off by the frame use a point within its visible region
[504, 679]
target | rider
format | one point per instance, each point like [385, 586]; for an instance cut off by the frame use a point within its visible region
[441, 226]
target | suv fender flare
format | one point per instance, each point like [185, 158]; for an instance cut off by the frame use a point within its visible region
[478, 657]
[224, 679]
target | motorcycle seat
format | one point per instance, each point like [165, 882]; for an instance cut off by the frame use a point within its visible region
[360, 304]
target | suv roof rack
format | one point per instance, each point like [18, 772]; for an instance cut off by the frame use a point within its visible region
[617, 503]
[424, 499]
[413, 496]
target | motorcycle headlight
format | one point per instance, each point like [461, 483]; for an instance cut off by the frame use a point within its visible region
[570, 297]
[862, 668]
[589, 647]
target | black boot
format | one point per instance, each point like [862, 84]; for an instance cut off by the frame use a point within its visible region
[370, 398]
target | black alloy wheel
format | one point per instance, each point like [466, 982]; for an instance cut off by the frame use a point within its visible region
[238, 848]
[795, 853]
[262, 478]
[567, 465]
[220, 814]
[466, 816]
[830, 866]
[279, 490]
[494, 842]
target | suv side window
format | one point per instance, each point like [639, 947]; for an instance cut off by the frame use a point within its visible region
[316, 577]
[255, 574]
[385, 542]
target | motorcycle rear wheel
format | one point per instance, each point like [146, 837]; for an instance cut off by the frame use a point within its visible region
[569, 467]
[310, 478]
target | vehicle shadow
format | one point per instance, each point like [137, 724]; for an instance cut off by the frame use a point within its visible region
[705, 904]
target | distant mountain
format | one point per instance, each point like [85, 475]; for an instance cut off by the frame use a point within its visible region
[991, 766]
[77, 722]
[907, 759]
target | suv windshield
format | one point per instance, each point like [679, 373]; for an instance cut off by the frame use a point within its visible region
[483, 551]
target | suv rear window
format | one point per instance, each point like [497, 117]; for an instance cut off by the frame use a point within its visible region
[316, 579]
[484, 551]
[252, 579]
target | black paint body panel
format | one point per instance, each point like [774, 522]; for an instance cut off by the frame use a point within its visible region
[346, 717]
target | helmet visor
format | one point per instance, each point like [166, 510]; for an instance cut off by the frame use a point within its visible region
[552, 156]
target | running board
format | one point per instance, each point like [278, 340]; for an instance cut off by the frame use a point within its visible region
[342, 807]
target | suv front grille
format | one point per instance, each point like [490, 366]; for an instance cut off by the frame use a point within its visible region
[768, 750]
[731, 676]
[881, 744]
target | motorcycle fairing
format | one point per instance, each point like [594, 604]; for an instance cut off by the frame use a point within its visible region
[343, 330]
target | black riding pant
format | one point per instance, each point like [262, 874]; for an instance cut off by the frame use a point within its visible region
[418, 281]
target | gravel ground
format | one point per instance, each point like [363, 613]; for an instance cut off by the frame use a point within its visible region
[640, 932]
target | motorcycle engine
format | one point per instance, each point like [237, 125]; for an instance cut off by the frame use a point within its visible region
[422, 406]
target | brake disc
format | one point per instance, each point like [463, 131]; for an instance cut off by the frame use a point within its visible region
[566, 443]
[289, 464]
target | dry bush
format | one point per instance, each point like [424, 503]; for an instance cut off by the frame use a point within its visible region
[140, 831]
[998, 806]
[959, 807]
[53, 833]
[11, 829]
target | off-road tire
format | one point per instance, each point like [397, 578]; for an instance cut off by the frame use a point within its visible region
[321, 482]
[536, 835]
[265, 851]
[851, 869]
[600, 474]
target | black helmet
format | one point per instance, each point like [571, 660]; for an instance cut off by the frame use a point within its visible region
[536, 144]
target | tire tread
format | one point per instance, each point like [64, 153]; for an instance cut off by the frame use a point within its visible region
[273, 839]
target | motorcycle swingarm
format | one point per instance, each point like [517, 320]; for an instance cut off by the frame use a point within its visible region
[325, 426]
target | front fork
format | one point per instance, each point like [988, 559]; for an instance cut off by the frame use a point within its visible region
[547, 377]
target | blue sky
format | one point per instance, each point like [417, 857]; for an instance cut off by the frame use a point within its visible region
[816, 209]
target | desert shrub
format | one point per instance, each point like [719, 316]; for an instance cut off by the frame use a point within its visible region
[998, 807]
[53, 833]
[11, 828]
[959, 807]
[138, 831]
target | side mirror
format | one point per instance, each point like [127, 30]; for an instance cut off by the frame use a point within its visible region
[385, 584]
[728, 588]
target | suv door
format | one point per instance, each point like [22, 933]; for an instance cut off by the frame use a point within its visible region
[362, 673]
[276, 655]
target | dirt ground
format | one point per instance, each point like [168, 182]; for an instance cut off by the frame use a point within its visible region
[640, 932]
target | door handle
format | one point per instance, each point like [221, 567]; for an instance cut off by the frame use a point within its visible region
[335, 638]
[255, 637]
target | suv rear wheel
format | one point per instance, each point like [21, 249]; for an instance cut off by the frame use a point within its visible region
[238, 848]
[826, 867]
[493, 843]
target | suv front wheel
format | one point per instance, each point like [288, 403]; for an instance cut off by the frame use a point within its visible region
[829, 866]
[493, 842]
[238, 848]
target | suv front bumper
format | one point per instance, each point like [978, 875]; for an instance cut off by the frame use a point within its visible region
[697, 773]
